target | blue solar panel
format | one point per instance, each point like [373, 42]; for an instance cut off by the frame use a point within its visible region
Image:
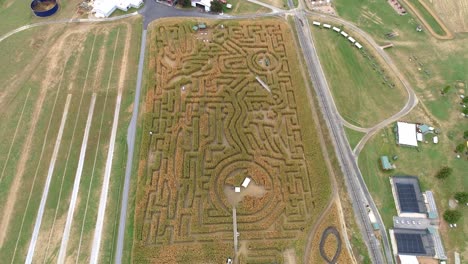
[407, 198]
[410, 243]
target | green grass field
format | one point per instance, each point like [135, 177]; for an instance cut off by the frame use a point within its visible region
[433, 65]
[353, 136]
[355, 85]
[91, 59]
[244, 7]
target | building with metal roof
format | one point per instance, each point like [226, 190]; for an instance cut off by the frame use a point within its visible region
[412, 242]
[409, 200]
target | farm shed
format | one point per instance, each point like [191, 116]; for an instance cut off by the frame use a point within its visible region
[204, 4]
[385, 162]
[406, 134]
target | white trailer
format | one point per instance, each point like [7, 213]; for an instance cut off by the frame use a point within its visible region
[358, 45]
[316, 23]
[344, 34]
[336, 29]
[246, 182]
[326, 26]
[351, 40]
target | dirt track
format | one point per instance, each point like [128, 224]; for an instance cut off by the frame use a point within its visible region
[448, 33]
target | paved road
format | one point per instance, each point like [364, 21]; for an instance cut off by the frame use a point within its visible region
[340, 142]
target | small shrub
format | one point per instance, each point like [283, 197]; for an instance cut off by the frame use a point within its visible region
[461, 197]
[444, 173]
[460, 148]
[452, 216]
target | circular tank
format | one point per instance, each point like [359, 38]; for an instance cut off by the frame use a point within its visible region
[44, 8]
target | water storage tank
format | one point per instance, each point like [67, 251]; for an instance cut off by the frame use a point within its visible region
[44, 8]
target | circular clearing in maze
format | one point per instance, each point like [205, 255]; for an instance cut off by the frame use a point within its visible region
[251, 198]
[262, 62]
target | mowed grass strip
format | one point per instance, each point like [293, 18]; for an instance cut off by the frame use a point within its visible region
[353, 136]
[359, 91]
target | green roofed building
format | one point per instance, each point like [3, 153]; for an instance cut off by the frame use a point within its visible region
[386, 165]
[195, 28]
[202, 26]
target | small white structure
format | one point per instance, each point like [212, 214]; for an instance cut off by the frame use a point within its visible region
[435, 139]
[205, 4]
[336, 29]
[407, 134]
[316, 23]
[407, 259]
[351, 40]
[326, 26]
[237, 189]
[359, 46]
[104, 8]
[246, 182]
[344, 34]
[228, 6]
[419, 136]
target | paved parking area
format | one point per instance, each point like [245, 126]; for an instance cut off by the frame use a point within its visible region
[411, 222]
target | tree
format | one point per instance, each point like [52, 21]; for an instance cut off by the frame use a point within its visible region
[465, 111]
[465, 99]
[461, 197]
[460, 148]
[452, 216]
[465, 134]
[216, 6]
[446, 89]
[185, 3]
[444, 172]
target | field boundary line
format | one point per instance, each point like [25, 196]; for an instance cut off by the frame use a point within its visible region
[37, 167]
[97, 148]
[40, 214]
[76, 184]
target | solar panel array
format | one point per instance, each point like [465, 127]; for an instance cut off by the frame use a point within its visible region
[410, 243]
[407, 197]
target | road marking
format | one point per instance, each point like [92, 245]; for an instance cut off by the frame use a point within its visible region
[40, 214]
[105, 186]
[76, 185]
[97, 148]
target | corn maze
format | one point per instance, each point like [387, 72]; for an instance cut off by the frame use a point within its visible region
[223, 108]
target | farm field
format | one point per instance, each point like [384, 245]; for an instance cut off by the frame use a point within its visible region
[65, 105]
[361, 94]
[429, 65]
[328, 244]
[209, 123]
[453, 13]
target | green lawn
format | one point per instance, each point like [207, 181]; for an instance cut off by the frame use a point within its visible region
[244, 7]
[356, 86]
[353, 136]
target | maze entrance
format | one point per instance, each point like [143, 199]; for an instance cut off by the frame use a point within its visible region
[224, 108]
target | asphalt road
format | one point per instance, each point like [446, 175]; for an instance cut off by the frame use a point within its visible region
[356, 188]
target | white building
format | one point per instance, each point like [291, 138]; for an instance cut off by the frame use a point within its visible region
[205, 4]
[104, 8]
[316, 23]
[407, 134]
[246, 182]
[359, 46]
[327, 26]
[336, 29]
